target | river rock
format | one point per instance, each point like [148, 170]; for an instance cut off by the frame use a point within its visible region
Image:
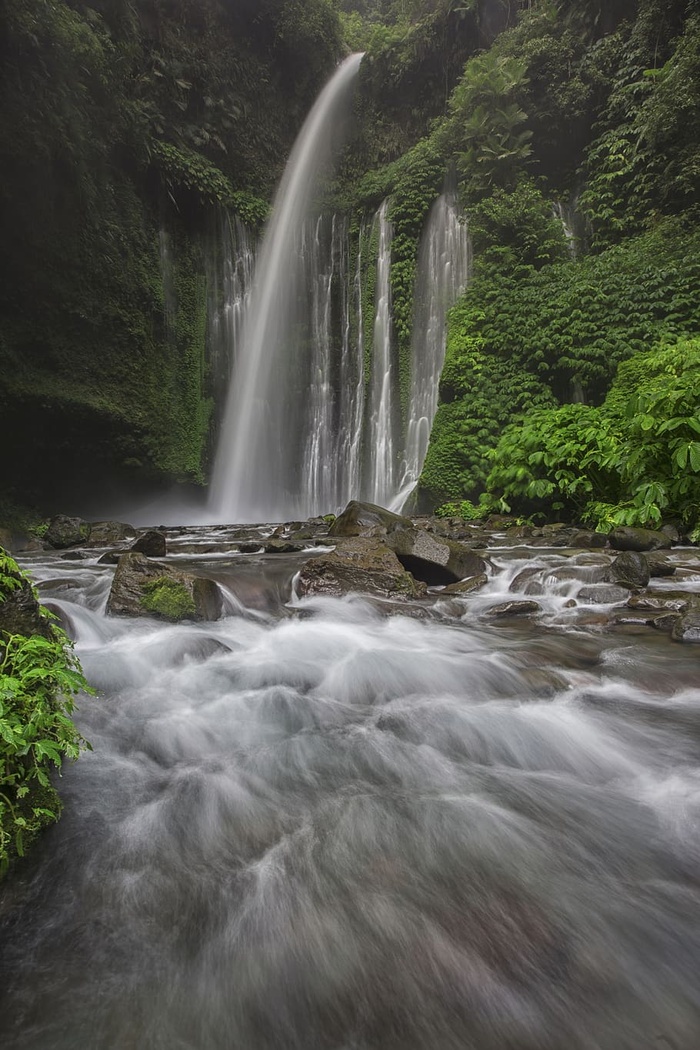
[362, 565]
[104, 533]
[250, 546]
[20, 612]
[367, 519]
[281, 546]
[152, 544]
[603, 594]
[663, 601]
[588, 538]
[67, 532]
[433, 559]
[629, 569]
[626, 538]
[659, 564]
[687, 628]
[140, 588]
[6, 539]
[514, 608]
[467, 586]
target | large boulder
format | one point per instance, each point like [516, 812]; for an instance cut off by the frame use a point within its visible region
[140, 588]
[367, 519]
[430, 558]
[152, 544]
[20, 612]
[104, 533]
[630, 569]
[64, 531]
[359, 565]
[626, 538]
[433, 559]
[687, 628]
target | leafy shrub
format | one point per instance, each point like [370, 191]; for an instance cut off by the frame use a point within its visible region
[39, 678]
[633, 461]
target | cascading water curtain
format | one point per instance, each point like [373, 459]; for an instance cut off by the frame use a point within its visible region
[444, 266]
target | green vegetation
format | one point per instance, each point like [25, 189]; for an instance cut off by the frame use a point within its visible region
[167, 598]
[39, 678]
[635, 460]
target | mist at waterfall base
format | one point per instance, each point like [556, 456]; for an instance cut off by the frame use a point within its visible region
[309, 825]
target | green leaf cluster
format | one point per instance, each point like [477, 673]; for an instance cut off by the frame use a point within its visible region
[635, 460]
[39, 679]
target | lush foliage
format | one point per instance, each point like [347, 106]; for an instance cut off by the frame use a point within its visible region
[635, 460]
[39, 678]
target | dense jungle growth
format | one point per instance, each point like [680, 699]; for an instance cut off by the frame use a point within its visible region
[570, 129]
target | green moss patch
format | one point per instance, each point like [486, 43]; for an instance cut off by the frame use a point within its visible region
[168, 598]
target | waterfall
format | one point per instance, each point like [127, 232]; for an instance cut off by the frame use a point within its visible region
[263, 442]
[444, 264]
[381, 444]
[229, 266]
[566, 214]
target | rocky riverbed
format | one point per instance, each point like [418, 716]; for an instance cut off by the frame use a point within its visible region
[405, 784]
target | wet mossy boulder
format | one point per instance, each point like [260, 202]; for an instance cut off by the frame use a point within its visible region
[140, 588]
[430, 558]
[20, 612]
[64, 531]
[630, 569]
[626, 538]
[152, 544]
[361, 565]
[367, 519]
[687, 628]
[104, 533]
[434, 559]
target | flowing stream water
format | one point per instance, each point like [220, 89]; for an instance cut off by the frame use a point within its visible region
[313, 826]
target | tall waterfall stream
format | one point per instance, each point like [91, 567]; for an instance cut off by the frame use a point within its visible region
[313, 826]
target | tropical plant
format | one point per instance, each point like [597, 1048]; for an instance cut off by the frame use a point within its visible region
[39, 679]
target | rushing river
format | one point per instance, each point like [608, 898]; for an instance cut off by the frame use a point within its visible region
[312, 826]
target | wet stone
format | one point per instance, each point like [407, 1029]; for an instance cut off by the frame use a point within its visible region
[250, 546]
[603, 594]
[514, 608]
[630, 569]
[587, 538]
[687, 628]
[627, 538]
[519, 582]
[659, 565]
[280, 546]
[468, 585]
[152, 544]
[662, 601]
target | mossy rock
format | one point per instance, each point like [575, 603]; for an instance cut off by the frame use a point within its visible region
[64, 531]
[360, 565]
[140, 588]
